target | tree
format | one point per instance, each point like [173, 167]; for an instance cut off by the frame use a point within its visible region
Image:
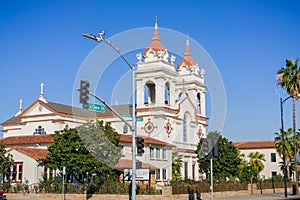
[6, 161]
[288, 148]
[176, 166]
[226, 165]
[92, 148]
[289, 79]
[255, 161]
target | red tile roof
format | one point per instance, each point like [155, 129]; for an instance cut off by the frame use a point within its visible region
[147, 140]
[47, 139]
[263, 144]
[27, 140]
[35, 153]
[127, 164]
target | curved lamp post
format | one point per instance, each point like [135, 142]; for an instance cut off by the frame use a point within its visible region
[100, 39]
[283, 144]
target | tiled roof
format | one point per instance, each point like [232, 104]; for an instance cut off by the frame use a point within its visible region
[27, 140]
[12, 120]
[185, 150]
[147, 140]
[70, 110]
[127, 164]
[263, 144]
[35, 153]
[47, 139]
[65, 109]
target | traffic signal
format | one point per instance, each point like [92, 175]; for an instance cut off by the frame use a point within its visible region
[140, 145]
[216, 149]
[84, 92]
[206, 146]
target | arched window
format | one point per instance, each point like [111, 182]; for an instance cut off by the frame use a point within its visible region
[39, 130]
[149, 92]
[198, 103]
[167, 93]
[185, 123]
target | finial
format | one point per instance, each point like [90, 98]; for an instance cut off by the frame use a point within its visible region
[187, 47]
[42, 96]
[187, 40]
[155, 34]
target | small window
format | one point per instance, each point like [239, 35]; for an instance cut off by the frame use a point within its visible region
[273, 157]
[15, 174]
[39, 130]
[164, 154]
[157, 173]
[274, 173]
[164, 174]
[157, 153]
[151, 152]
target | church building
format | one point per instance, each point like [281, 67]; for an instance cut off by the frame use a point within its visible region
[170, 102]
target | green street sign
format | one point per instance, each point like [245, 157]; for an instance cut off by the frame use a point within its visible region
[126, 115]
[139, 119]
[96, 107]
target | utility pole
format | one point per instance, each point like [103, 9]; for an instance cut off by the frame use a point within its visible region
[211, 180]
[99, 39]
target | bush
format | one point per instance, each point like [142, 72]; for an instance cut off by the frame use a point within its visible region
[185, 187]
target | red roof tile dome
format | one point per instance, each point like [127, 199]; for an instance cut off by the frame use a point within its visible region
[156, 46]
[187, 59]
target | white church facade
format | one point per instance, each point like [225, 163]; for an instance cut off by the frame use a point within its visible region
[170, 100]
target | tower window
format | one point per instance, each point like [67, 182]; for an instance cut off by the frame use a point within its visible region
[184, 135]
[149, 92]
[198, 103]
[39, 130]
[167, 93]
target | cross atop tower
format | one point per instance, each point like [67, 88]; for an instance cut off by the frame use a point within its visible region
[42, 96]
[20, 108]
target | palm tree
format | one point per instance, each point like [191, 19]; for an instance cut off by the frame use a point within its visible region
[288, 148]
[255, 161]
[289, 79]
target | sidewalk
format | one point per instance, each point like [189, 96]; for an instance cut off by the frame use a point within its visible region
[277, 196]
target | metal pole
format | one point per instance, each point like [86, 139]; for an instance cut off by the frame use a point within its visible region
[295, 147]
[211, 179]
[63, 183]
[133, 126]
[133, 130]
[283, 149]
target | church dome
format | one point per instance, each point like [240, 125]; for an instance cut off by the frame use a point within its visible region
[187, 60]
[155, 46]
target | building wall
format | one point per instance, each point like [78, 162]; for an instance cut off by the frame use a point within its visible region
[31, 170]
[269, 166]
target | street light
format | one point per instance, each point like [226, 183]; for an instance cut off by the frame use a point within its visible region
[99, 39]
[283, 145]
[283, 148]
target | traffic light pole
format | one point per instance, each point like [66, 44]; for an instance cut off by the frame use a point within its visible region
[99, 39]
[211, 179]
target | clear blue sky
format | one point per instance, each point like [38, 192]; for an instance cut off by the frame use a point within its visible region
[248, 40]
